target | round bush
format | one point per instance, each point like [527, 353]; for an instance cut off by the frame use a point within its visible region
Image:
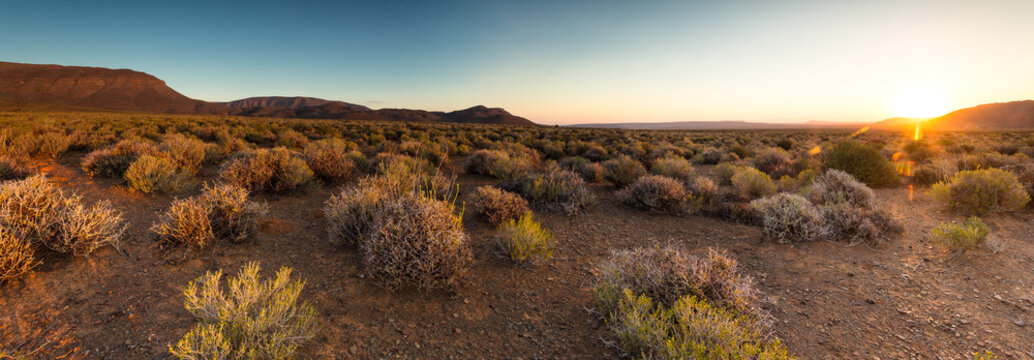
[623, 170]
[772, 161]
[675, 167]
[788, 218]
[498, 206]
[751, 183]
[864, 162]
[981, 192]
[157, 174]
[658, 193]
[275, 171]
[835, 186]
[329, 160]
[559, 190]
[525, 241]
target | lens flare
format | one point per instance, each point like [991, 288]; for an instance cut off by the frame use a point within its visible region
[814, 151]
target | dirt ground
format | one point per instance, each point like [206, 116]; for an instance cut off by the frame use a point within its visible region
[901, 300]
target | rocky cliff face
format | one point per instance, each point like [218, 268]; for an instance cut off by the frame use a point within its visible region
[96, 88]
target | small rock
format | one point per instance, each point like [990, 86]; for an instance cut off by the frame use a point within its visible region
[871, 301]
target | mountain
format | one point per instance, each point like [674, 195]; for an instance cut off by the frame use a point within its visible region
[30, 87]
[92, 87]
[723, 125]
[1014, 115]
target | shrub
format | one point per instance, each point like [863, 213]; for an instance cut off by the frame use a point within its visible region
[691, 328]
[10, 169]
[788, 218]
[863, 162]
[623, 170]
[329, 160]
[150, 174]
[185, 153]
[525, 241]
[559, 190]
[773, 161]
[959, 238]
[751, 183]
[221, 212]
[709, 156]
[480, 161]
[113, 162]
[666, 274]
[250, 318]
[842, 220]
[275, 171]
[511, 169]
[416, 240]
[981, 192]
[675, 167]
[351, 213]
[724, 172]
[39, 212]
[498, 206]
[17, 256]
[590, 171]
[659, 193]
[835, 186]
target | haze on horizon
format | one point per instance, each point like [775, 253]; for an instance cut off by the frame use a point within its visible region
[559, 62]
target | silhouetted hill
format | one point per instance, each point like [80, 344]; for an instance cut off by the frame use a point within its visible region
[91, 87]
[722, 125]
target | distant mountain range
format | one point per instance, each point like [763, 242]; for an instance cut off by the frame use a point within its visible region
[1014, 115]
[723, 125]
[57, 87]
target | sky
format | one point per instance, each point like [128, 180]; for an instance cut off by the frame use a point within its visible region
[559, 62]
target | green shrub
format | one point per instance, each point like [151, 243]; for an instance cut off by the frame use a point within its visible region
[788, 218]
[675, 167]
[17, 255]
[40, 213]
[558, 190]
[863, 162]
[623, 170]
[275, 171]
[659, 193]
[221, 212]
[959, 238]
[724, 172]
[982, 192]
[329, 160]
[498, 206]
[153, 174]
[750, 183]
[250, 318]
[525, 241]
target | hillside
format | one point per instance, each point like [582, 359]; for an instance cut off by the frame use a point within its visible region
[1012, 115]
[32, 87]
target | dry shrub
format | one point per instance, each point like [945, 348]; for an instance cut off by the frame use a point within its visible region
[773, 161]
[675, 167]
[158, 174]
[38, 212]
[982, 192]
[187, 154]
[329, 160]
[525, 241]
[590, 171]
[114, 161]
[221, 212]
[789, 218]
[52, 144]
[659, 193]
[724, 172]
[351, 213]
[498, 206]
[751, 183]
[417, 240]
[623, 170]
[835, 186]
[275, 171]
[250, 318]
[558, 190]
[17, 256]
[480, 162]
[11, 169]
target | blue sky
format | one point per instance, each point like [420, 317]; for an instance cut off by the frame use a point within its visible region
[558, 61]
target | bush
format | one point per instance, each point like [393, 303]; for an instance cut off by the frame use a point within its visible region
[863, 162]
[675, 167]
[329, 160]
[498, 206]
[351, 213]
[113, 162]
[750, 183]
[275, 171]
[773, 161]
[558, 190]
[959, 238]
[623, 170]
[835, 186]
[981, 192]
[221, 212]
[525, 241]
[416, 240]
[40, 213]
[481, 161]
[185, 153]
[788, 218]
[152, 174]
[251, 318]
[659, 193]
[724, 172]
[10, 169]
[709, 156]
[17, 256]
[590, 171]
[52, 145]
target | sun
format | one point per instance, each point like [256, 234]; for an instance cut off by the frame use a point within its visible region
[921, 102]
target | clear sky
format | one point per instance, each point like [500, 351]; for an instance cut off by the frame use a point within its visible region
[559, 61]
